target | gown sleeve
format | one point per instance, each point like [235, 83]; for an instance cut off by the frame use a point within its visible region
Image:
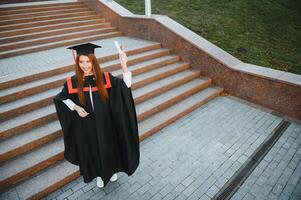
[64, 115]
[127, 78]
[124, 116]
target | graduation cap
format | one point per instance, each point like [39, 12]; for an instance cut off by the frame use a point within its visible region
[84, 49]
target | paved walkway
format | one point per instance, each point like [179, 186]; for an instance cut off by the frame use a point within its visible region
[194, 157]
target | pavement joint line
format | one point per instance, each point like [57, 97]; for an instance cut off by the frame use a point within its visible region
[234, 183]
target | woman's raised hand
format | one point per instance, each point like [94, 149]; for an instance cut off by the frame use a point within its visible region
[81, 111]
[123, 58]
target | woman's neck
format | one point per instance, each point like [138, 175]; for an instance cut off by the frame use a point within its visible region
[91, 73]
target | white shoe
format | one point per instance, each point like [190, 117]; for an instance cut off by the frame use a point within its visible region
[99, 182]
[114, 177]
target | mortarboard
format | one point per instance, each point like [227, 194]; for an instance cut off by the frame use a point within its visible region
[84, 49]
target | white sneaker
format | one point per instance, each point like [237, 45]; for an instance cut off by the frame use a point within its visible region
[99, 182]
[114, 177]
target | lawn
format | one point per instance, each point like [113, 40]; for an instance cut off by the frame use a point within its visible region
[260, 32]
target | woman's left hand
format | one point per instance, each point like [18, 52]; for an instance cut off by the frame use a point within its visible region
[123, 59]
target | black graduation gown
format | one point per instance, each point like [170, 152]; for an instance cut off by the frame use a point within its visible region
[106, 141]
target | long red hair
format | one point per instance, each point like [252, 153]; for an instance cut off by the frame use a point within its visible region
[102, 90]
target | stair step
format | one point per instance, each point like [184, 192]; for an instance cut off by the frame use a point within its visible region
[27, 121]
[17, 169]
[163, 85]
[60, 31]
[30, 30]
[52, 152]
[15, 93]
[170, 97]
[41, 14]
[45, 181]
[19, 104]
[162, 119]
[59, 44]
[55, 38]
[13, 21]
[49, 22]
[31, 139]
[39, 8]
[22, 143]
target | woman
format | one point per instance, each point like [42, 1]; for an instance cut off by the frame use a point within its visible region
[97, 114]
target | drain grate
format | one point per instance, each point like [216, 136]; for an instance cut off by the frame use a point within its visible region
[228, 190]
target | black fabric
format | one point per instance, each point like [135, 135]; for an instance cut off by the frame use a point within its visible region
[106, 141]
[85, 49]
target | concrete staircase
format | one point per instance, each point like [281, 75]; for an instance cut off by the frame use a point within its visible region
[31, 147]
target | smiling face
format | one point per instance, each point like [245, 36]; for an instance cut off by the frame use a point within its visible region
[85, 64]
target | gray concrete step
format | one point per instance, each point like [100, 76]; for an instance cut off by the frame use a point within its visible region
[17, 168]
[43, 181]
[18, 143]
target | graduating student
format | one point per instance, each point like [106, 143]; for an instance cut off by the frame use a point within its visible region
[97, 114]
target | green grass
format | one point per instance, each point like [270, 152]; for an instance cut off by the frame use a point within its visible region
[260, 32]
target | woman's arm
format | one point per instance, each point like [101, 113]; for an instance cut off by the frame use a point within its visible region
[127, 75]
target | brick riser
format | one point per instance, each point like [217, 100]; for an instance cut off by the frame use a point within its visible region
[52, 160]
